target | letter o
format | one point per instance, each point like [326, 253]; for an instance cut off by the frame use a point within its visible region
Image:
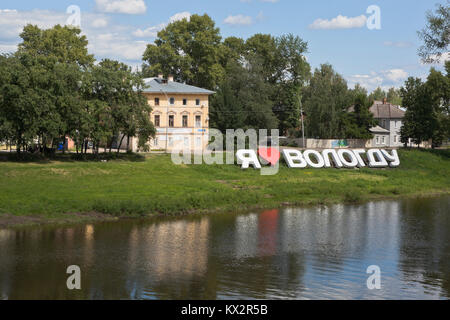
[348, 164]
[320, 162]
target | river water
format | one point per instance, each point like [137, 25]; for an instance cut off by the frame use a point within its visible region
[293, 253]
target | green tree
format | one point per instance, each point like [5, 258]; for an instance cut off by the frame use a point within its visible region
[422, 120]
[325, 100]
[393, 96]
[356, 124]
[124, 108]
[189, 50]
[436, 34]
[242, 100]
[378, 94]
[286, 70]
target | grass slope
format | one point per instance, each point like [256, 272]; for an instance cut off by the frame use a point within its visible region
[156, 186]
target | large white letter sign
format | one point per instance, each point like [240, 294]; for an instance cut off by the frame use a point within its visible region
[348, 164]
[320, 162]
[374, 163]
[326, 158]
[248, 157]
[358, 153]
[394, 160]
[294, 158]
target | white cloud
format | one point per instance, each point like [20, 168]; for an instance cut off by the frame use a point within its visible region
[99, 23]
[438, 60]
[13, 21]
[239, 20]
[180, 16]
[340, 22]
[384, 79]
[118, 43]
[8, 47]
[152, 31]
[395, 75]
[121, 6]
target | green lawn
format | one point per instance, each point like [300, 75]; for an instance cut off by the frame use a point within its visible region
[133, 188]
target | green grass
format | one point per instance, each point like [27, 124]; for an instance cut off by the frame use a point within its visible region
[142, 187]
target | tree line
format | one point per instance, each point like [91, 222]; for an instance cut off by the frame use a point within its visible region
[263, 81]
[51, 88]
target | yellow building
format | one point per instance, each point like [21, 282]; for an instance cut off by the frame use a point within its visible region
[180, 114]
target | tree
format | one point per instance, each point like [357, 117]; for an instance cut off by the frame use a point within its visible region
[189, 50]
[378, 94]
[242, 100]
[119, 92]
[356, 124]
[286, 70]
[325, 100]
[64, 44]
[393, 96]
[436, 34]
[421, 121]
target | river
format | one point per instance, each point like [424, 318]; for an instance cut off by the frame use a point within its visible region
[292, 253]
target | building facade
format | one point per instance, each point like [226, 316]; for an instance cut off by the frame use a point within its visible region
[390, 121]
[180, 114]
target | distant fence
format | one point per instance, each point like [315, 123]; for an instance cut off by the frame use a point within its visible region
[333, 143]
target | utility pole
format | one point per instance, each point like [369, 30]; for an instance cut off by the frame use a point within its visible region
[303, 125]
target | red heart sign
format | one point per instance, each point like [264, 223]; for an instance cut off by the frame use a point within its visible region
[271, 155]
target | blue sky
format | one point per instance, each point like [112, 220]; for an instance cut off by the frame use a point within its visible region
[120, 29]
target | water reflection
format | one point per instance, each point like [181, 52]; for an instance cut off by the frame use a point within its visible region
[295, 253]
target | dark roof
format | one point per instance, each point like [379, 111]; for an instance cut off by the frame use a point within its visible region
[386, 111]
[156, 85]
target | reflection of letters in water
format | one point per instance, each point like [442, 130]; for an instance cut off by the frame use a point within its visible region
[342, 158]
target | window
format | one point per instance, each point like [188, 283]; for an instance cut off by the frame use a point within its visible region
[197, 102]
[157, 121]
[172, 101]
[184, 102]
[156, 142]
[198, 142]
[185, 121]
[384, 123]
[198, 121]
[186, 141]
[170, 142]
[382, 140]
[156, 101]
[377, 139]
[171, 121]
[395, 139]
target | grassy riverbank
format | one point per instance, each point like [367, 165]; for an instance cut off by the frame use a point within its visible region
[68, 191]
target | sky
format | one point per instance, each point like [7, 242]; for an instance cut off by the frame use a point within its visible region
[340, 32]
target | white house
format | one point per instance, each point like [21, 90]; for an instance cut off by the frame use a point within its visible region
[390, 121]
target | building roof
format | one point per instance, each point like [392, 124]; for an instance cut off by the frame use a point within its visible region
[158, 85]
[378, 129]
[382, 110]
[386, 111]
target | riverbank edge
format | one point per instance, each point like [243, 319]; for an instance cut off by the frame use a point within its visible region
[14, 222]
